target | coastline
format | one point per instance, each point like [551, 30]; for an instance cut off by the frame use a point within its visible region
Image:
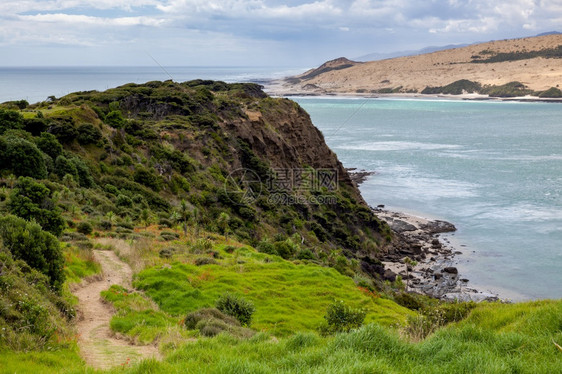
[421, 239]
[277, 88]
[434, 274]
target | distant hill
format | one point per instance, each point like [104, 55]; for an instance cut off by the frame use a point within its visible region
[513, 67]
[383, 56]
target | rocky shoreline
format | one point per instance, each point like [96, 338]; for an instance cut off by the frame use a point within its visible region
[434, 273]
[359, 176]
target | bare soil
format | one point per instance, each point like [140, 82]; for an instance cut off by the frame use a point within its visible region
[99, 346]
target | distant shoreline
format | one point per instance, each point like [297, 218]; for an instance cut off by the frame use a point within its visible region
[274, 88]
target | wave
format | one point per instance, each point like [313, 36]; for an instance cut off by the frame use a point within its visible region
[397, 146]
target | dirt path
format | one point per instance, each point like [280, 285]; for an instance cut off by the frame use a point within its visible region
[99, 348]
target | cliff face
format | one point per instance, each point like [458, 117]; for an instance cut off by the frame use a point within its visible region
[287, 138]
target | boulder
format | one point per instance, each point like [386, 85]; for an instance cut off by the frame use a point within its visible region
[389, 275]
[451, 270]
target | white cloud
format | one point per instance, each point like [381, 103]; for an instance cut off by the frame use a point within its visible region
[89, 20]
[297, 25]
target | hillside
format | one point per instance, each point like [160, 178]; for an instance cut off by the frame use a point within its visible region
[534, 62]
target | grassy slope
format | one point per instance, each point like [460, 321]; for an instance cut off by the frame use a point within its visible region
[288, 297]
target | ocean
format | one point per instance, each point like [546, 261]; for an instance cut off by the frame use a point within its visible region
[494, 169]
[35, 84]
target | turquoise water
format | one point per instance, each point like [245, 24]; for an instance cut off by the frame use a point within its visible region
[493, 169]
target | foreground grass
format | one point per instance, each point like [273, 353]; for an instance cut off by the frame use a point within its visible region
[494, 339]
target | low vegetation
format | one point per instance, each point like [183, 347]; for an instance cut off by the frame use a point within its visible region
[511, 89]
[486, 57]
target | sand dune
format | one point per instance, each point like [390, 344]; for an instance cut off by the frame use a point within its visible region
[414, 73]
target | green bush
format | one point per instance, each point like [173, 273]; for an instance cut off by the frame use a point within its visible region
[31, 201]
[115, 119]
[552, 92]
[342, 318]
[305, 254]
[286, 248]
[64, 166]
[22, 157]
[85, 228]
[124, 201]
[147, 178]
[49, 144]
[39, 249]
[237, 307]
[205, 261]
[266, 247]
[63, 128]
[88, 134]
[10, 119]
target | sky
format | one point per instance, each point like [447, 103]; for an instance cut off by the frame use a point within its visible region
[252, 32]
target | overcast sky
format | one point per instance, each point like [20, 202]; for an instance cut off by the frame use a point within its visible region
[252, 32]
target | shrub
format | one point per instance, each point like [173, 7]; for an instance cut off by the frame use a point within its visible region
[410, 301]
[147, 178]
[88, 134]
[193, 318]
[115, 119]
[105, 225]
[169, 235]
[342, 318]
[85, 228]
[305, 254]
[266, 247]
[22, 157]
[229, 249]
[286, 248]
[31, 200]
[124, 201]
[237, 307]
[64, 166]
[63, 128]
[552, 92]
[10, 119]
[165, 222]
[39, 249]
[205, 261]
[166, 252]
[49, 144]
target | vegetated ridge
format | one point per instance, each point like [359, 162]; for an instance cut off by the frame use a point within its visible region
[530, 65]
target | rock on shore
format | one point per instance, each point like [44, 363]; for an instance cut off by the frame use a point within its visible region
[434, 273]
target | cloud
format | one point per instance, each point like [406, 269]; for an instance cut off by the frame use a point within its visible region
[292, 27]
[89, 20]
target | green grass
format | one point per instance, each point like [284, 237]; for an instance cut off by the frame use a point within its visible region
[59, 361]
[137, 316]
[79, 264]
[495, 339]
[288, 297]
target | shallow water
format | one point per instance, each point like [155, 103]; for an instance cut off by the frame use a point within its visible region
[493, 169]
